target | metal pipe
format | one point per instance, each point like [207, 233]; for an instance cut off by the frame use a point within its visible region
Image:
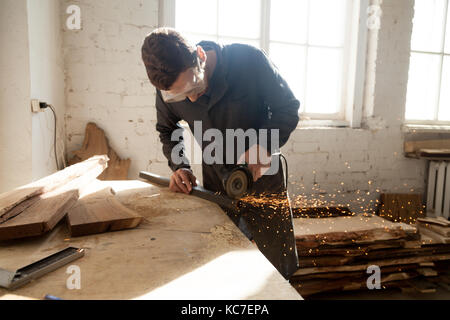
[197, 191]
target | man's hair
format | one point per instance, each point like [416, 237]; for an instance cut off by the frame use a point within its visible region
[166, 54]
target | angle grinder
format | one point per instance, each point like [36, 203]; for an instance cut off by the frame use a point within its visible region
[236, 179]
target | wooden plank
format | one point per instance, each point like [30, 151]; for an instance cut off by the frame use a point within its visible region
[437, 221]
[427, 272]
[100, 212]
[95, 143]
[354, 250]
[43, 215]
[423, 286]
[72, 172]
[310, 287]
[19, 208]
[435, 236]
[323, 261]
[11, 199]
[386, 262]
[414, 146]
[321, 212]
[444, 231]
[400, 207]
[354, 274]
[351, 229]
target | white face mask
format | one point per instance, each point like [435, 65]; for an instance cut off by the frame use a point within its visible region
[196, 84]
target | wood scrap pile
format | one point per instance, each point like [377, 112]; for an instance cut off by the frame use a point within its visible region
[335, 253]
[36, 208]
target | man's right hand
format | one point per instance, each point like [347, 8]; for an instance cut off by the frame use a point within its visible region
[182, 180]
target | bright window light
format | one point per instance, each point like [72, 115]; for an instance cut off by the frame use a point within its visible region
[428, 99]
[306, 39]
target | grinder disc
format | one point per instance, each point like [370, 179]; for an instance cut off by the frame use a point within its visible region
[237, 184]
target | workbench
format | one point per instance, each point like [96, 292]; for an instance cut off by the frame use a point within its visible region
[185, 248]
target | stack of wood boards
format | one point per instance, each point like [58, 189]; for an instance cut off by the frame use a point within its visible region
[36, 208]
[335, 253]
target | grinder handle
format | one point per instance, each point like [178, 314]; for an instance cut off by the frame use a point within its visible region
[197, 191]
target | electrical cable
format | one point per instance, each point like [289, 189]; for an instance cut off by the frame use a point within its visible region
[54, 136]
[286, 178]
[287, 173]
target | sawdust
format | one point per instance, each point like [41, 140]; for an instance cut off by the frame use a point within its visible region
[225, 235]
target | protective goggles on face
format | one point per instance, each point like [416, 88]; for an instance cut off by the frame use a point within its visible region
[195, 84]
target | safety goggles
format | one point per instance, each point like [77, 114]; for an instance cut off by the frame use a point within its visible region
[194, 85]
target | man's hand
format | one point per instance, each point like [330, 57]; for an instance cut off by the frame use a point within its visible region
[258, 161]
[182, 180]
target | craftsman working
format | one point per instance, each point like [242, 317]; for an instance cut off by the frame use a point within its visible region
[226, 87]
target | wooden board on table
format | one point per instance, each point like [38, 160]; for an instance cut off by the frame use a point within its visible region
[15, 201]
[100, 212]
[19, 208]
[10, 199]
[95, 142]
[40, 217]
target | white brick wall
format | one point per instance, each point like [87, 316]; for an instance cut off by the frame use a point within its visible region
[106, 83]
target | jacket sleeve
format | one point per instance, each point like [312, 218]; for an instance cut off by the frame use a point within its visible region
[166, 124]
[279, 103]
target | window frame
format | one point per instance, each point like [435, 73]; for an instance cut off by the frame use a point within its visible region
[354, 56]
[433, 123]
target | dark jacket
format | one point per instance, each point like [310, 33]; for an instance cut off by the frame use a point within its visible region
[245, 91]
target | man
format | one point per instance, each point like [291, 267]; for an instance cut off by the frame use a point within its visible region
[225, 87]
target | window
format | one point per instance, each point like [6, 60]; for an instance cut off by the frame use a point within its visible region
[428, 97]
[312, 42]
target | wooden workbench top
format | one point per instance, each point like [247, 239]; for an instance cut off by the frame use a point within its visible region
[186, 248]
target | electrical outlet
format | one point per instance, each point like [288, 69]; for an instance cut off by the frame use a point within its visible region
[35, 106]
